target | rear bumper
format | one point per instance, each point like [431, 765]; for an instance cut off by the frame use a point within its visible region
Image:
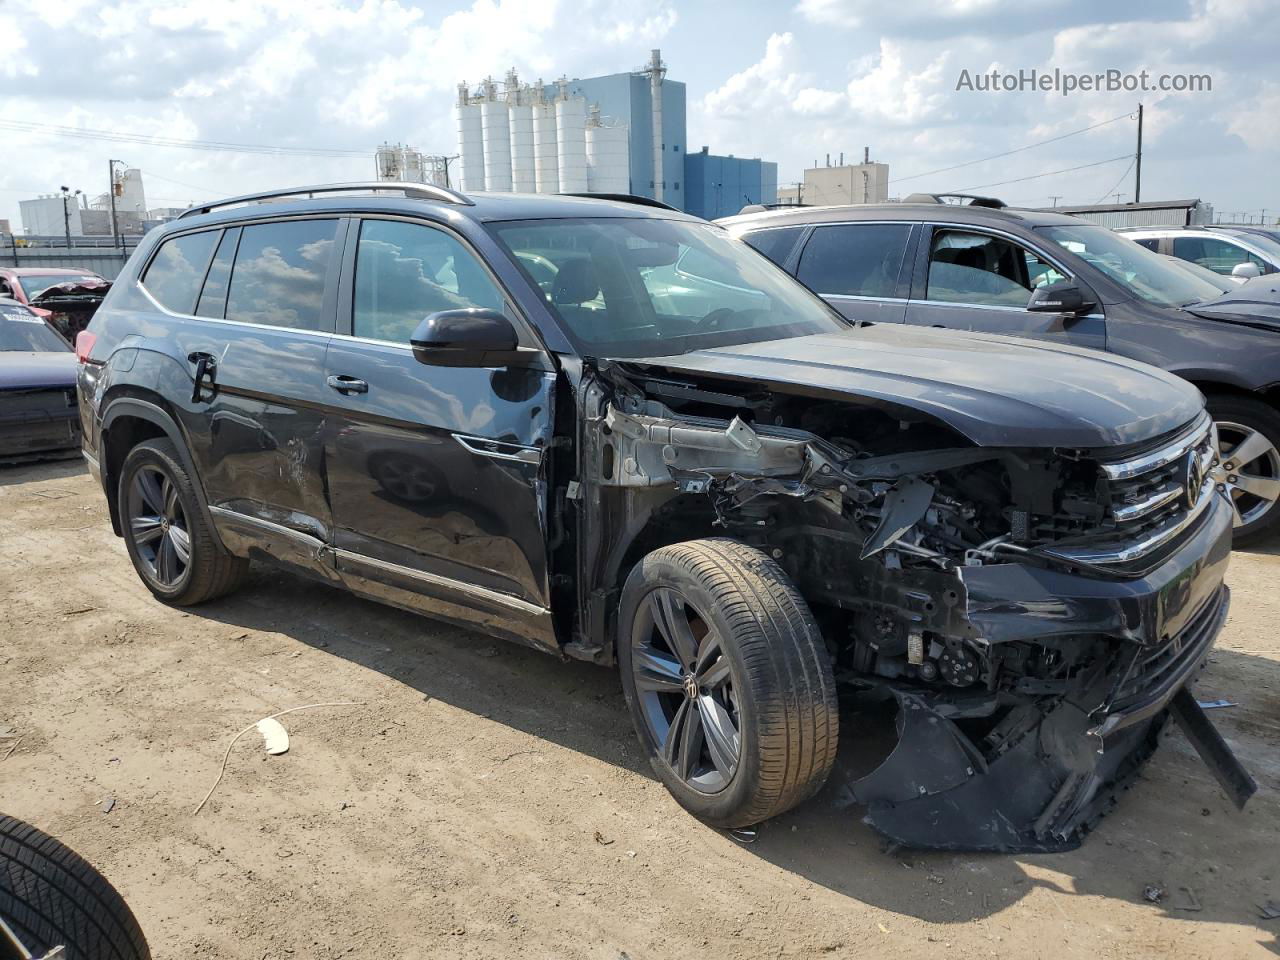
[37, 434]
[1033, 769]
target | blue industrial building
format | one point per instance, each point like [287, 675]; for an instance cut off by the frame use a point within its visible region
[721, 186]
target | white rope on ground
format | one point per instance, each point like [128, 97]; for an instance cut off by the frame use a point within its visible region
[253, 726]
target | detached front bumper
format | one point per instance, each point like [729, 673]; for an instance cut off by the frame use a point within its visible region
[1039, 774]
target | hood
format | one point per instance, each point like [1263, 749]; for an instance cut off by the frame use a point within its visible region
[997, 391]
[20, 370]
[1256, 302]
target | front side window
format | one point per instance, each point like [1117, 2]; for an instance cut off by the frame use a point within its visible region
[855, 259]
[1220, 256]
[978, 268]
[279, 274]
[405, 271]
[1144, 274]
[774, 244]
[176, 272]
[647, 287]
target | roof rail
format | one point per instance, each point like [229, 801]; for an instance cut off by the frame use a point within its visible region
[417, 191]
[624, 198]
[974, 201]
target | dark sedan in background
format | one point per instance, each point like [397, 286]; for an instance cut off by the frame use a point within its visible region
[985, 267]
[38, 414]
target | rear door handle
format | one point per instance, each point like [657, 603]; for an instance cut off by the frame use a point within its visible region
[206, 368]
[348, 385]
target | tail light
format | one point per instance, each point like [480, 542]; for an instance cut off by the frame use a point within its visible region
[84, 345]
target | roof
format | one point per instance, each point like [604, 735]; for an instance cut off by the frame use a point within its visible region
[952, 213]
[475, 206]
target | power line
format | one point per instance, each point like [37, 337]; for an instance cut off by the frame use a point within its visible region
[1009, 153]
[88, 133]
[1106, 193]
[191, 186]
[1047, 173]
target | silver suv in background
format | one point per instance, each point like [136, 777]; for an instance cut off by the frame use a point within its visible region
[1240, 253]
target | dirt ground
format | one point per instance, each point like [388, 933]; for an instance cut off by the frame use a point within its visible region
[483, 800]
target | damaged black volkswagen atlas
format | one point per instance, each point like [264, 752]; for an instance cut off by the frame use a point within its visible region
[606, 429]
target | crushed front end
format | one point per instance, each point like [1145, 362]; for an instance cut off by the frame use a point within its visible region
[1034, 616]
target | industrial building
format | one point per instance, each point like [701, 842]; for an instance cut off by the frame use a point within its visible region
[54, 215]
[621, 133]
[400, 162]
[829, 185]
[721, 186]
[1152, 213]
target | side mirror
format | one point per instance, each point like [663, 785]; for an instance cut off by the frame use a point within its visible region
[1246, 271]
[471, 337]
[1061, 297]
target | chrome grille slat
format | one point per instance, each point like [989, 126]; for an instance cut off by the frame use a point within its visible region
[1193, 437]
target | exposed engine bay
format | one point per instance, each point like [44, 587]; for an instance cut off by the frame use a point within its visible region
[1032, 616]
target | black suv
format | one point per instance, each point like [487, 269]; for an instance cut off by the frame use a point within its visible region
[982, 266]
[607, 429]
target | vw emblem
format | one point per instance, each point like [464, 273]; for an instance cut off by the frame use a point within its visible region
[1195, 474]
[690, 685]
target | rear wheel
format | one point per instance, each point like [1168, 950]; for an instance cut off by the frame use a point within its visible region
[728, 681]
[1249, 471]
[50, 897]
[171, 546]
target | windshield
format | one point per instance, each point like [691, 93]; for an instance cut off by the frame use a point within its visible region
[628, 287]
[1146, 275]
[20, 329]
[1264, 242]
[34, 286]
[1204, 273]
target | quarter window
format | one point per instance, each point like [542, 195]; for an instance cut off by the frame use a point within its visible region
[405, 271]
[175, 274]
[854, 259]
[774, 244]
[279, 274]
[979, 268]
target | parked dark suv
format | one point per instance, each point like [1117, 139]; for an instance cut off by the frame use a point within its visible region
[981, 266]
[611, 431]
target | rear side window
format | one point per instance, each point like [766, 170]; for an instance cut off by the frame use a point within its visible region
[1218, 255]
[175, 274]
[855, 259]
[279, 274]
[775, 244]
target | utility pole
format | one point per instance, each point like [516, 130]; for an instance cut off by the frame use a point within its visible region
[111, 192]
[1055, 198]
[1118, 196]
[1137, 177]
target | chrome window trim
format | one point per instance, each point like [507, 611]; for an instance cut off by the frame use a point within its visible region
[523, 607]
[1193, 437]
[866, 299]
[324, 334]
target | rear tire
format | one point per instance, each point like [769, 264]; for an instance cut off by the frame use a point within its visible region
[728, 681]
[1251, 426]
[172, 546]
[50, 897]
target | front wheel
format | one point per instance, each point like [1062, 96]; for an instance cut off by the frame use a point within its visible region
[1249, 470]
[728, 681]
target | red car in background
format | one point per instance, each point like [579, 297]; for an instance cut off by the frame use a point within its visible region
[66, 298]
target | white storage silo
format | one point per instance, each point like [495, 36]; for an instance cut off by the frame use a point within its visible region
[470, 141]
[496, 127]
[546, 169]
[523, 175]
[571, 144]
[608, 158]
[412, 166]
[387, 162]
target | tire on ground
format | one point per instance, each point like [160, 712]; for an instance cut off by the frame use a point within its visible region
[50, 897]
[212, 571]
[1264, 418]
[789, 723]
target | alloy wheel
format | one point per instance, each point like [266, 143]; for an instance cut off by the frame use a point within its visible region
[1248, 471]
[685, 685]
[158, 526]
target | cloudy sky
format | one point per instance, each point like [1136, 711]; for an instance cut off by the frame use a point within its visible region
[788, 81]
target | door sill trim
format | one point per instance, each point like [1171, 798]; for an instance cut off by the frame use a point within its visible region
[471, 590]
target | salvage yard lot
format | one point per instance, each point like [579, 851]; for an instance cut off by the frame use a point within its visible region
[484, 800]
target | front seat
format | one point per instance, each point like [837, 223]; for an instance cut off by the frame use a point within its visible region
[577, 283]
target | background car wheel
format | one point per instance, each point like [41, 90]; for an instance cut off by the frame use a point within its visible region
[50, 897]
[169, 542]
[1249, 437]
[728, 681]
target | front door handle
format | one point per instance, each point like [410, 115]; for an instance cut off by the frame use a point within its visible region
[206, 369]
[348, 385]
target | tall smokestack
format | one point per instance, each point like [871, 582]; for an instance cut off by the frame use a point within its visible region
[656, 70]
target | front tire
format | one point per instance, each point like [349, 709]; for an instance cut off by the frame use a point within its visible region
[728, 681]
[1249, 437]
[172, 547]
